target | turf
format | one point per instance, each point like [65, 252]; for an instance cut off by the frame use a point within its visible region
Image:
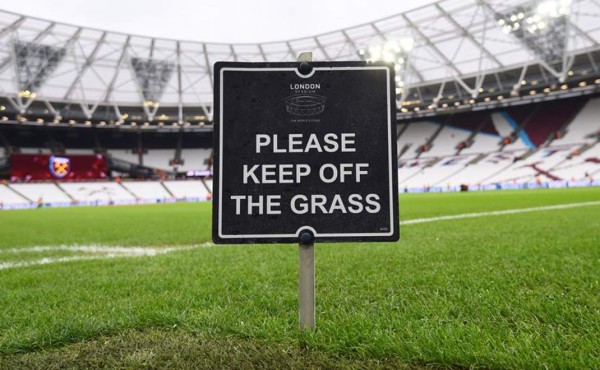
[510, 291]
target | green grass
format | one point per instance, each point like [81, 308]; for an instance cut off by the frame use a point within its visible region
[511, 291]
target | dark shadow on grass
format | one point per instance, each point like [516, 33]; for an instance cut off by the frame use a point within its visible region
[180, 349]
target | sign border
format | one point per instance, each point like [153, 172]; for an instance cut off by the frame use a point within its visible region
[219, 237]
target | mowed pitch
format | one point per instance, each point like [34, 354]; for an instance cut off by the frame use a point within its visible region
[143, 287]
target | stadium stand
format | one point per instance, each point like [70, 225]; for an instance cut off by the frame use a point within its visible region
[187, 189]
[536, 166]
[208, 182]
[89, 192]
[482, 168]
[482, 143]
[124, 154]
[147, 190]
[506, 126]
[437, 173]
[158, 158]
[195, 159]
[531, 156]
[408, 168]
[8, 197]
[44, 192]
[584, 125]
[544, 121]
[446, 142]
[580, 166]
[416, 135]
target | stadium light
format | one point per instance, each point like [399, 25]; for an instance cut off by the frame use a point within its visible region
[34, 64]
[152, 77]
[26, 94]
[397, 52]
[540, 25]
[151, 104]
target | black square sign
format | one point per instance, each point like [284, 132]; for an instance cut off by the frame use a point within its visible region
[308, 149]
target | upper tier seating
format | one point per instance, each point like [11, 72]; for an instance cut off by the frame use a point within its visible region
[124, 155]
[159, 158]
[195, 159]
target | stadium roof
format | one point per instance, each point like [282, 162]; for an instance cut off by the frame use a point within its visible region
[453, 49]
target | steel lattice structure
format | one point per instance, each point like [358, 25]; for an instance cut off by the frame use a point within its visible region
[453, 54]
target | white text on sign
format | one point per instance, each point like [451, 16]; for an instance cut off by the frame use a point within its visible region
[306, 204]
[299, 143]
[293, 173]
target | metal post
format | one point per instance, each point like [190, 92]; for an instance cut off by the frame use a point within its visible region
[306, 286]
[306, 265]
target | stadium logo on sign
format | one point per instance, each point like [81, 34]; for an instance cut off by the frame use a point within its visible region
[305, 102]
[305, 105]
[59, 166]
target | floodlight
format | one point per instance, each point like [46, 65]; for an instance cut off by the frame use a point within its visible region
[392, 51]
[540, 25]
[26, 94]
[34, 63]
[151, 104]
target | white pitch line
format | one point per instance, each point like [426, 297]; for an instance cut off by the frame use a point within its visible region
[92, 249]
[498, 213]
[99, 252]
[105, 252]
[49, 260]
